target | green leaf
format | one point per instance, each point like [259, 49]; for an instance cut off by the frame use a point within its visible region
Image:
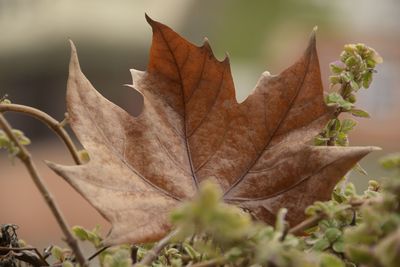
[320, 141]
[57, 253]
[387, 251]
[4, 100]
[337, 67]
[329, 260]
[347, 76]
[359, 254]
[342, 139]
[332, 234]
[193, 254]
[321, 244]
[391, 161]
[359, 113]
[338, 246]
[67, 264]
[336, 195]
[335, 79]
[351, 61]
[347, 125]
[335, 99]
[354, 86]
[84, 155]
[351, 98]
[80, 233]
[367, 79]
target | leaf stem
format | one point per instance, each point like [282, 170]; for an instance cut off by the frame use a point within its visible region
[52, 123]
[97, 253]
[306, 224]
[152, 254]
[26, 159]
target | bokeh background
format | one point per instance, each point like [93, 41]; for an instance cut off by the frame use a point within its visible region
[112, 37]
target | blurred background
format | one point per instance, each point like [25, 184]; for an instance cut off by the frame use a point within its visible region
[113, 36]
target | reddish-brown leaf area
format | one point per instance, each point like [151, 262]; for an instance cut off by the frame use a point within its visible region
[192, 129]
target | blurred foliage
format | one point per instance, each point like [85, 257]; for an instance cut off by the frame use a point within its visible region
[232, 21]
[354, 229]
[375, 240]
[6, 143]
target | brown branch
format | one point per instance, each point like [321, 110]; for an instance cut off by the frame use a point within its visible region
[12, 249]
[52, 123]
[97, 253]
[306, 224]
[152, 254]
[16, 249]
[25, 157]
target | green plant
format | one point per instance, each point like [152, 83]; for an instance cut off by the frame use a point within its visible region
[353, 72]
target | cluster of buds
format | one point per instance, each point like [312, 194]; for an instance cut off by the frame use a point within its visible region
[352, 72]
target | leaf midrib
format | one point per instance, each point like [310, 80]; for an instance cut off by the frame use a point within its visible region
[246, 171]
[195, 180]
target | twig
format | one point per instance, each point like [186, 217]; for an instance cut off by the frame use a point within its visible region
[26, 158]
[304, 225]
[52, 123]
[152, 254]
[8, 249]
[15, 249]
[97, 253]
[313, 220]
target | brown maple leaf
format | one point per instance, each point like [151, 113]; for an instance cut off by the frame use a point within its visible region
[191, 129]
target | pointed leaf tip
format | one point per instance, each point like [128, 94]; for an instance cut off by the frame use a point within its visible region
[375, 148]
[312, 41]
[73, 47]
[360, 150]
[206, 44]
[74, 61]
[149, 20]
[226, 59]
[52, 165]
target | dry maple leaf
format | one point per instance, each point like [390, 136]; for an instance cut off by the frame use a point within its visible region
[191, 129]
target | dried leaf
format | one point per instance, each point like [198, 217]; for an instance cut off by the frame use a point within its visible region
[192, 129]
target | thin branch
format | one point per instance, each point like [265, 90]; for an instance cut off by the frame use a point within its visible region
[313, 220]
[15, 249]
[97, 253]
[306, 224]
[26, 158]
[8, 249]
[152, 254]
[52, 123]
